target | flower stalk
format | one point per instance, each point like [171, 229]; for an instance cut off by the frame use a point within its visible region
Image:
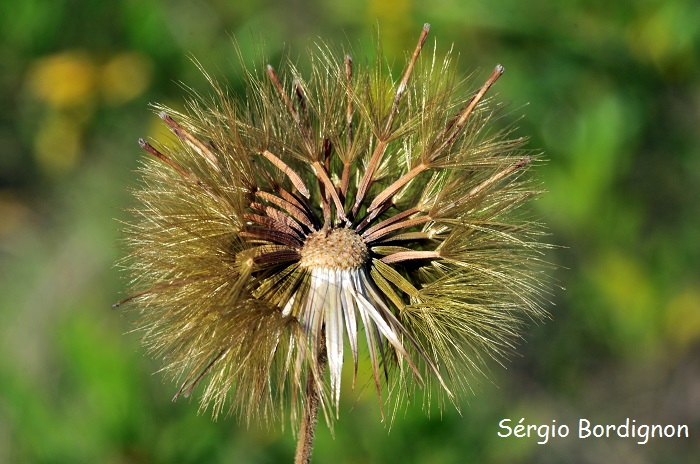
[307, 428]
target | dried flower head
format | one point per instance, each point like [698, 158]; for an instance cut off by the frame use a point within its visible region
[287, 232]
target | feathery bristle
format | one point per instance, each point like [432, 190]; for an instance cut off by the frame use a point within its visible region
[284, 225]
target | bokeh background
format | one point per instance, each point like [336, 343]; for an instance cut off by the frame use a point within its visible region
[609, 90]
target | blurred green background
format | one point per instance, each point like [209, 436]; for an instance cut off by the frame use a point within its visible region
[609, 90]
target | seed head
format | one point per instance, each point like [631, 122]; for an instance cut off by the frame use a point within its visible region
[321, 213]
[338, 249]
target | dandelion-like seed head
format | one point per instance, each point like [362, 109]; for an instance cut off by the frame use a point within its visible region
[321, 217]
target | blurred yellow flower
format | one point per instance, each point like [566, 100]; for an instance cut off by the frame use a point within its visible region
[58, 144]
[64, 79]
[395, 18]
[125, 76]
[682, 318]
